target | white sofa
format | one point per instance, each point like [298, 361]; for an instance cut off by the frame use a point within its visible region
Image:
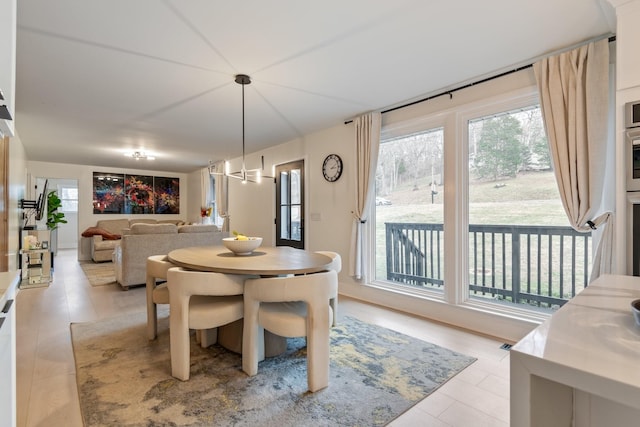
[105, 236]
[145, 240]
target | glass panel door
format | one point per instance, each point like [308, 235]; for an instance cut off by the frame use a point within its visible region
[290, 204]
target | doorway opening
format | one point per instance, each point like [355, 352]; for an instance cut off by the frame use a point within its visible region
[66, 235]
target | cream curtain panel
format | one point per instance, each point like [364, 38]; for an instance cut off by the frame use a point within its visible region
[367, 134]
[205, 187]
[574, 96]
[222, 199]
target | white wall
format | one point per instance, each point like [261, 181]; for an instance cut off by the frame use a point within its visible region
[84, 175]
[8, 55]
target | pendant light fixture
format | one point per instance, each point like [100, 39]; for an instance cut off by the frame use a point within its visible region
[244, 174]
[139, 155]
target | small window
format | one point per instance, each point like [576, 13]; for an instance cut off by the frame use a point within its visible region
[69, 198]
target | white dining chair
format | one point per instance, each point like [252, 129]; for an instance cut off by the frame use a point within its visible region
[336, 265]
[292, 306]
[157, 293]
[200, 300]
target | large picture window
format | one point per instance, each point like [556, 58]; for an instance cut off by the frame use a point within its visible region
[513, 244]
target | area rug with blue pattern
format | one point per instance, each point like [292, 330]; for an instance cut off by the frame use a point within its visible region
[376, 374]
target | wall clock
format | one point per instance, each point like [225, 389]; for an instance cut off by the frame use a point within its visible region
[332, 167]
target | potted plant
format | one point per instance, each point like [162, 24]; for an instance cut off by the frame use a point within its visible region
[54, 217]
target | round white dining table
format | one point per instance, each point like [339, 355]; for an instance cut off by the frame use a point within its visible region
[264, 261]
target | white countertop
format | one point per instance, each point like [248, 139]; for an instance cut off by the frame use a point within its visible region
[593, 339]
[7, 279]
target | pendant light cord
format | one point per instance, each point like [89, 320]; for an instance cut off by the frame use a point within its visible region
[243, 165]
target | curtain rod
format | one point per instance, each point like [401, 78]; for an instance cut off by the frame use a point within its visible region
[450, 91]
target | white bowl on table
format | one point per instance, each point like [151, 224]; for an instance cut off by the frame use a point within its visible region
[242, 247]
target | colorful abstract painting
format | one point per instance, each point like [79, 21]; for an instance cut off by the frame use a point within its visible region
[167, 195]
[138, 194]
[108, 193]
[135, 194]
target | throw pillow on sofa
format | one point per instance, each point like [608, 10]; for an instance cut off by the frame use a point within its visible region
[141, 228]
[177, 222]
[142, 221]
[207, 228]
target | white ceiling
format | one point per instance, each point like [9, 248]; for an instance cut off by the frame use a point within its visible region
[98, 78]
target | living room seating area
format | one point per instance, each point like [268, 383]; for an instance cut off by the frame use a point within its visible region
[129, 242]
[105, 236]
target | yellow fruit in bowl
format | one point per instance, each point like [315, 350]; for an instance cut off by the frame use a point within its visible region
[239, 236]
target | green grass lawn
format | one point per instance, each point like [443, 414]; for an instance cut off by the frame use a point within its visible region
[530, 199]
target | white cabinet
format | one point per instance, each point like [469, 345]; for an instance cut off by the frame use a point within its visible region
[580, 367]
[8, 285]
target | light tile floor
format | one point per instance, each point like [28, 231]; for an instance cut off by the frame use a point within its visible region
[47, 393]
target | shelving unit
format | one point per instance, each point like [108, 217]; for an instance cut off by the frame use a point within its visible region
[36, 267]
[36, 262]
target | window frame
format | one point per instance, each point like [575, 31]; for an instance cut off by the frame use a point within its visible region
[62, 199]
[497, 105]
[407, 127]
[455, 122]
